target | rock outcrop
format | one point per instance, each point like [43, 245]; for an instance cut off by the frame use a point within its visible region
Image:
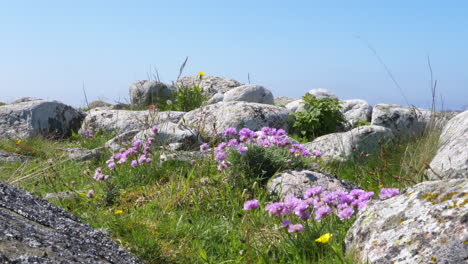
[121, 121]
[297, 182]
[145, 92]
[451, 159]
[347, 145]
[427, 223]
[217, 117]
[403, 121]
[356, 110]
[8, 157]
[209, 84]
[30, 118]
[321, 93]
[250, 93]
[33, 230]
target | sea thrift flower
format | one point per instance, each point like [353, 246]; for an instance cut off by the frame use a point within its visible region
[204, 147]
[251, 204]
[344, 212]
[137, 143]
[228, 132]
[90, 194]
[388, 192]
[286, 223]
[154, 130]
[88, 133]
[325, 238]
[134, 163]
[242, 149]
[99, 176]
[233, 143]
[317, 153]
[321, 212]
[313, 192]
[314, 164]
[295, 228]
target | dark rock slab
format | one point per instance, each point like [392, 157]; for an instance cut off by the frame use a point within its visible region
[33, 230]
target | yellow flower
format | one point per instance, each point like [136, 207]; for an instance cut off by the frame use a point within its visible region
[324, 238]
[118, 212]
[19, 142]
[201, 74]
[381, 186]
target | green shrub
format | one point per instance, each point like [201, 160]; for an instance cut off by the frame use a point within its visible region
[188, 98]
[260, 164]
[322, 116]
[2, 104]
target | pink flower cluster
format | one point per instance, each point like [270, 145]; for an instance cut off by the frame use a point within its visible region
[137, 153]
[267, 137]
[320, 204]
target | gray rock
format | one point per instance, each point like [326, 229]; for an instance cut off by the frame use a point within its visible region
[180, 136]
[403, 121]
[321, 93]
[121, 121]
[83, 154]
[217, 117]
[451, 159]
[218, 97]
[8, 157]
[296, 106]
[143, 93]
[427, 223]
[356, 110]
[347, 145]
[24, 99]
[122, 140]
[33, 230]
[250, 93]
[98, 103]
[283, 100]
[209, 84]
[38, 117]
[297, 182]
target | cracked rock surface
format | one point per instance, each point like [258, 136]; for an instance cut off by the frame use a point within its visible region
[427, 223]
[33, 230]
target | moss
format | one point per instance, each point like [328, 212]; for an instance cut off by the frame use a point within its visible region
[448, 196]
[464, 203]
[401, 222]
[431, 197]
[409, 194]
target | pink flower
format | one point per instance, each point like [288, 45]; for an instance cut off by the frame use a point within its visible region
[90, 194]
[295, 228]
[251, 204]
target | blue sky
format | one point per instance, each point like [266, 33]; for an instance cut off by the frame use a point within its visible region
[49, 48]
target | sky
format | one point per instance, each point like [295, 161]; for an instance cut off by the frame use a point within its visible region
[52, 49]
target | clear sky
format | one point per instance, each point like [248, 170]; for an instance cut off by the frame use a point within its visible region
[48, 49]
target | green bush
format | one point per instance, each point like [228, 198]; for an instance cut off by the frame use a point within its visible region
[260, 164]
[188, 98]
[322, 116]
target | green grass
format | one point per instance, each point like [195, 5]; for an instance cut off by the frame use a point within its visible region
[175, 212]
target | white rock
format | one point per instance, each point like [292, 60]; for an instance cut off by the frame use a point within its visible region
[296, 106]
[250, 93]
[427, 223]
[38, 117]
[121, 121]
[209, 84]
[297, 182]
[321, 93]
[143, 93]
[184, 138]
[451, 159]
[218, 97]
[346, 145]
[217, 117]
[356, 110]
[403, 121]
